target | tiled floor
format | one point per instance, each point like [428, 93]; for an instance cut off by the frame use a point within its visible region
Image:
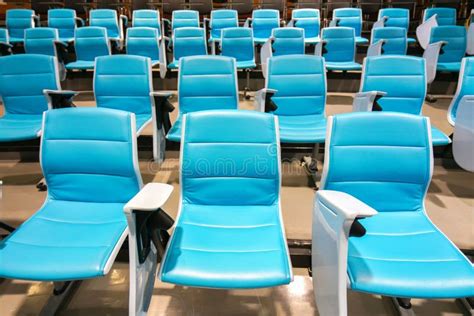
[450, 204]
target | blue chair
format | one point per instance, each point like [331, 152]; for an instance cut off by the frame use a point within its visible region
[371, 232]
[455, 48]
[263, 22]
[4, 38]
[144, 41]
[396, 17]
[403, 80]
[184, 18]
[17, 21]
[395, 41]
[444, 16]
[90, 42]
[350, 17]
[340, 44]
[147, 18]
[465, 87]
[220, 20]
[310, 21]
[23, 78]
[41, 41]
[91, 172]
[188, 41]
[288, 41]
[108, 19]
[65, 21]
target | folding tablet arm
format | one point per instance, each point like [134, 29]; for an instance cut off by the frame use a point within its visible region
[263, 100]
[431, 55]
[423, 31]
[148, 225]
[58, 99]
[376, 49]
[367, 101]
[335, 219]
[161, 118]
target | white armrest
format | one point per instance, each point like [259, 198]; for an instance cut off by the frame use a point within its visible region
[266, 52]
[470, 36]
[318, 48]
[59, 98]
[247, 23]
[431, 55]
[334, 22]
[260, 98]
[291, 23]
[150, 198]
[163, 62]
[375, 49]
[364, 101]
[463, 136]
[345, 205]
[380, 23]
[423, 31]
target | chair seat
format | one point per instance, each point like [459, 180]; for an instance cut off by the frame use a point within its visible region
[343, 65]
[246, 64]
[18, 127]
[405, 255]
[64, 240]
[312, 40]
[302, 128]
[260, 40]
[361, 40]
[449, 67]
[173, 65]
[439, 138]
[174, 134]
[14, 40]
[205, 251]
[66, 39]
[80, 65]
[142, 120]
[411, 40]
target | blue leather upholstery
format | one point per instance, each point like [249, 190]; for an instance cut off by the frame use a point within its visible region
[64, 20]
[222, 19]
[403, 78]
[4, 38]
[402, 254]
[184, 18]
[147, 18]
[397, 17]
[263, 22]
[144, 41]
[310, 21]
[90, 42]
[230, 232]
[188, 41]
[395, 38]
[41, 41]
[22, 81]
[106, 18]
[17, 21]
[444, 16]
[300, 81]
[465, 87]
[351, 17]
[341, 48]
[454, 50]
[124, 82]
[237, 42]
[91, 173]
[288, 41]
[205, 83]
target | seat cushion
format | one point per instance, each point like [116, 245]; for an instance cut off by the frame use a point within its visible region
[343, 66]
[439, 138]
[142, 121]
[449, 67]
[361, 40]
[246, 64]
[18, 127]
[174, 134]
[260, 40]
[173, 65]
[14, 40]
[209, 250]
[80, 65]
[411, 40]
[66, 39]
[404, 255]
[302, 128]
[64, 240]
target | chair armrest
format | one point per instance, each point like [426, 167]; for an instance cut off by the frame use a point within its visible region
[291, 23]
[266, 52]
[79, 22]
[423, 31]
[431, 55]
[124, 19]
[263, 100]
[334, 22]
[5, 49]
[58, 99]
[37, 20]
[344, 205]
[61, 51]
[162, 109]
[166, 27]
[248, 22]
[470, 35]
[367, 101]
[380, 22]
[376, 49]
[114, 46]
[320, 48]
[150, 198]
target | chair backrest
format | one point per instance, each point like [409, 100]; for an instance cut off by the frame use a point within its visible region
[147, 18]
[221, 19]
[143, 41]
[123, 82]
[41, 41]
[184, 18]
[465, 87]
[340, 44]
[383, 159]
[264, 21]
[307, 19]
[64, 20]
[18, 20]
[288, 41]
[237, 42]
[444, 16]
[395, 39]
[105, 18]
[91, 42]
[456, 38]
[95, 163]
[233, 157]
[300, 82]
[4, 38]
[349, 17]
[396, 17]
[23, 78]
[403, 78]
[189, 41]
[207, 83]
